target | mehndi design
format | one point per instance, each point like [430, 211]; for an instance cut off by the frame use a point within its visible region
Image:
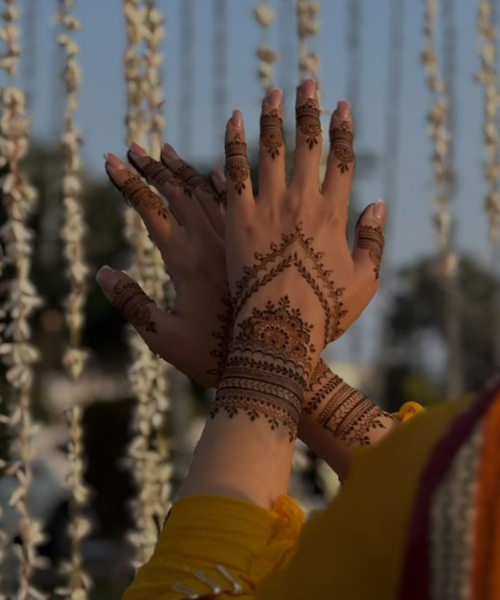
[341, 142]
[271, 132]
[268, 367]
[134, 305]
[138, 194]
[308, 121]
[237, 167]
[372, 239]
[348, 414]
[295, 251]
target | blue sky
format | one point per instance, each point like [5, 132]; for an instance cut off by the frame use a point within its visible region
[103, 100]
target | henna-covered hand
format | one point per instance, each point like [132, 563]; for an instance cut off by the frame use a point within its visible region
[290, 243]
[194, 335]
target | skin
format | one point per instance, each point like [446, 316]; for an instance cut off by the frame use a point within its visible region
[238, 450]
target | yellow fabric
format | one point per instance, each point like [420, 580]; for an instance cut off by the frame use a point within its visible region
[205, 531]
[350, 550]
[408, 411]
[354, 550]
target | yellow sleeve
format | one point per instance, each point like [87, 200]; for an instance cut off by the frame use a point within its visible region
[408, 411]
[220, 547]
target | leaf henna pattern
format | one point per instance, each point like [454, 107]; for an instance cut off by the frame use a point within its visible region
[134, 305]
[295, 251]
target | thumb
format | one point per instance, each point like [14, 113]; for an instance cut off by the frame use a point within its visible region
[154, 326]
[369, 243]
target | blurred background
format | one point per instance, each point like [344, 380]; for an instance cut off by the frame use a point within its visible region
[422, 80]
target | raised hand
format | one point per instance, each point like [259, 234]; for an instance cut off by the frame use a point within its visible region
[194, 335]
[295, 285]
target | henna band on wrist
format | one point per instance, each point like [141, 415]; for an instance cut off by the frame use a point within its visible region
[258, 391]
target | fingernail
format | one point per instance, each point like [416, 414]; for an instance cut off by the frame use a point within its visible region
[379, 210]
[169, 152]
[237, 118]
[275, 98]
[343, 109]
[114, 161]
[308, 88]
[107, 278]
[138, 150]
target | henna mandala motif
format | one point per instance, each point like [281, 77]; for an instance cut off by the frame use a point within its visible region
[237, 167]
[278, 333]
[308, 121]
[350, 416]
[137, 194]
[268, 367]
[341, 138]
[193, 180]
[286, 256]
[133, 304]
[372, 239]
[158, 173]
[271, 132]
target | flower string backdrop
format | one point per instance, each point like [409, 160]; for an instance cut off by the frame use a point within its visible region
[148, 450]
[73, 234]
[20, 301]
[440, 134]
[488, 77]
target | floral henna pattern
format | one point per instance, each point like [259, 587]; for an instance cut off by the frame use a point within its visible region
[372, 239]
[295, 252]
[271, 132]
[138, 194]
[268, 368]
[134, 306]
[237, 167]
[308, 121]
[350, 416]
[341, 143]
[277, 332]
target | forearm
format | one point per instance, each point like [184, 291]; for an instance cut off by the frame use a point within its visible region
[337, 419]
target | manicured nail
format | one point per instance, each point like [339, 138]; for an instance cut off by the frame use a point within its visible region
[169, 152]
[379, 210]
[237, 118]
[343, 109]
[308, 88]
[107, 278]
[138, 150]
[275, 98]
[114, 161]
